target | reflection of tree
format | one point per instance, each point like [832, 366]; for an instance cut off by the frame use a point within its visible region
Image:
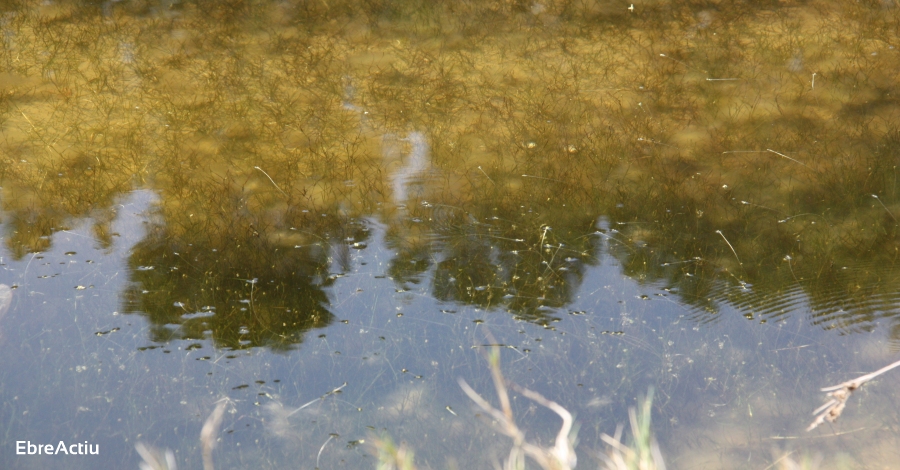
[30, 232]
[243, 278]
[769, 247]
[754, 191]
[237, 294]
[519, 265]
[45, 195]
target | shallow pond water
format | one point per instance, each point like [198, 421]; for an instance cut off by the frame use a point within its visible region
[328, 213]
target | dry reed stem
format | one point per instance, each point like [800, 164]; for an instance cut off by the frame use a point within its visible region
[560, 457]
[839, 394]
[210, 432]
[562, 450]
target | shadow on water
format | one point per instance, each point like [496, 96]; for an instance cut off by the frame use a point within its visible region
[697, 196]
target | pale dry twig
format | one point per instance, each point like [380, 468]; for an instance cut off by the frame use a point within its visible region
[839, 394]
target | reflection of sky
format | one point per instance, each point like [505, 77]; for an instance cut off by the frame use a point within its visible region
[414, 165]
[74, 371]
[6, 295]
[65, 379]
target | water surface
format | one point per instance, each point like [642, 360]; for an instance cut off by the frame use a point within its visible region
[266, 200]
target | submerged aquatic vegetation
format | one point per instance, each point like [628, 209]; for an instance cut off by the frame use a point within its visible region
[767, 128]
[493, 162]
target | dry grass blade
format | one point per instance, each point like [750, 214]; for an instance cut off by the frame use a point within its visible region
[209, 433]
[560, 457]
[155, 459]
[839, 394]
[563, 449]
[332, 392]
[644, 452]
